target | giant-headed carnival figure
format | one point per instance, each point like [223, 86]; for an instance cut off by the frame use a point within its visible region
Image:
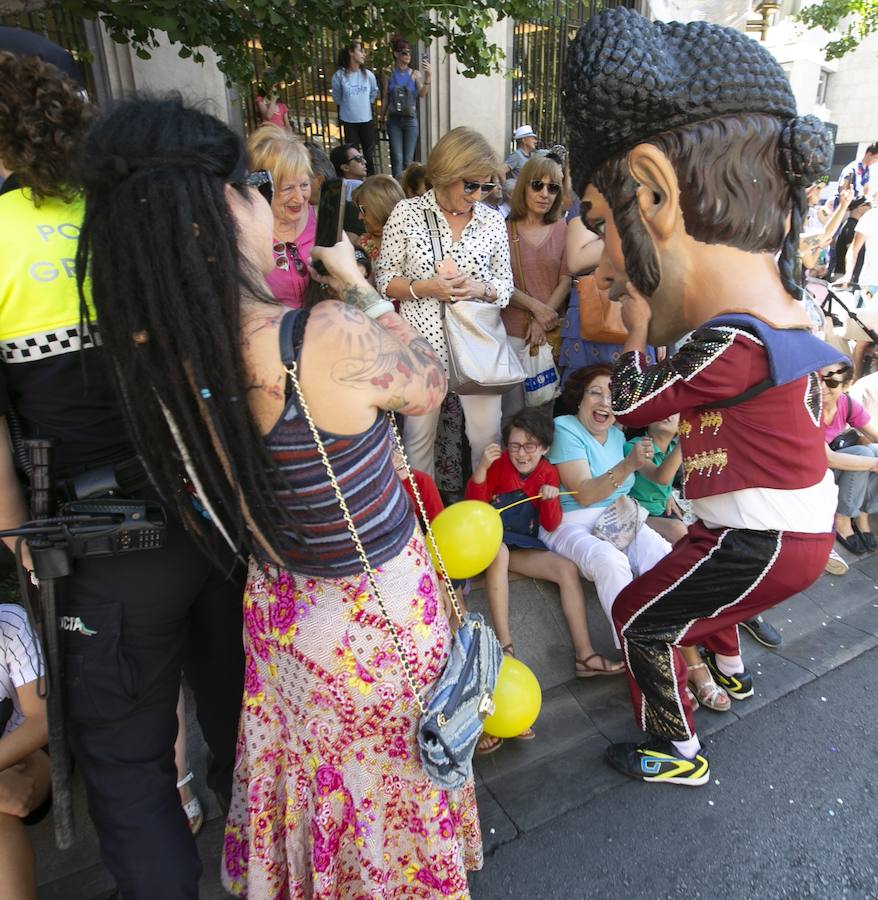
[692, 165]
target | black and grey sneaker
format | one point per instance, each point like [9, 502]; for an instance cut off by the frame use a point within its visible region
[658, 760]
[762, 631]
[738, 686]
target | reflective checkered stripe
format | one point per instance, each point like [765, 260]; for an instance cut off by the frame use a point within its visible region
[56, 342]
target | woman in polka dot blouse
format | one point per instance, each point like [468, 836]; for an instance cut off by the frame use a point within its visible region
[475, 266]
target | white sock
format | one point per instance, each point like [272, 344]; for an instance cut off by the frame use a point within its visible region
[687, 748]
[729, 665]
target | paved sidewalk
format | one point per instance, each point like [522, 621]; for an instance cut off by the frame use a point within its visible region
[525, 784]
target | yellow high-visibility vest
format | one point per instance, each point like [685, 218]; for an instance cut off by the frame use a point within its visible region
[39, 302]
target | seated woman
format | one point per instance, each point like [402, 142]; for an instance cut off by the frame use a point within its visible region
[588, 451]
[501, 478]
[854, 466]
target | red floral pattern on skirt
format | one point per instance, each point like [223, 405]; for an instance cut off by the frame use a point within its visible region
[330, 800]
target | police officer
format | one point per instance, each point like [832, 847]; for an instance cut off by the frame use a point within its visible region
[131, 622]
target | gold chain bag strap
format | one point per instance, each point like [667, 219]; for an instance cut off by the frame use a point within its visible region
[451, 719]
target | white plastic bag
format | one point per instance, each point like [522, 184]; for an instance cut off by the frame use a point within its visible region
[541, 382]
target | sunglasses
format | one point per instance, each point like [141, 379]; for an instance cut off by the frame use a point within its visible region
[356, 158]
[470, 187]
[282, 260]
[551, 186]
[261, 180]
[404, 52]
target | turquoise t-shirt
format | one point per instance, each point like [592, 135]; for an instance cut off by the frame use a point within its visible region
[573, 441]
[651, 496]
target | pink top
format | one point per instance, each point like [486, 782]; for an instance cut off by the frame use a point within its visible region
[542, 266]
[280, 112]
[289, 285]
[848, 414]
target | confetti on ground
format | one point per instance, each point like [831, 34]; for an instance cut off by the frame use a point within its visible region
[834, 749]
[792, 802]
[840, 802]
[832, 812]
[771, 787]
[812, 659]
[710, 802]
[492, 831]
[716, 780]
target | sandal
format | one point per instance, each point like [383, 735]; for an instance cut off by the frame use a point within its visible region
[605, 667]
[192, 808]
[710, 694]
[488, 744]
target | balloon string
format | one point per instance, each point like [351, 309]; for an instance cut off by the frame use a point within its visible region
[535, 497]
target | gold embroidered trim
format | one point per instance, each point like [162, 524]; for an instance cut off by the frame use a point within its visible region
[685, 428]
[711, 419]
[705, 463]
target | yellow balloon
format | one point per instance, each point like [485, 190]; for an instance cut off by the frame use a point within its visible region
[517, 700]
[468, 535]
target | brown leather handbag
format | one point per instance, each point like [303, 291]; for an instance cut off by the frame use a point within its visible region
[600, 319]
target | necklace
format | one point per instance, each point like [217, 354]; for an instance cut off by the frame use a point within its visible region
[452, 212]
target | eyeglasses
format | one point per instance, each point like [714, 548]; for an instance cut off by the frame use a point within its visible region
[598, 394]
[282, 261]
[357, 158]
[529, 447]
[831, 381]
[261, 180]
[552, 186]
[404, 52]
[470, 187]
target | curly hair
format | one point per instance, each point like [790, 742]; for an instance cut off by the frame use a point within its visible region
[42, 119]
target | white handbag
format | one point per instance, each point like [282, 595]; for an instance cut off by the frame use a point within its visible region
[480, 358]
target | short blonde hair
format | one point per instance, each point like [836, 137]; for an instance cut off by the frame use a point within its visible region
[461, 154]
[285, 156]
[378, 194]
[537, 167]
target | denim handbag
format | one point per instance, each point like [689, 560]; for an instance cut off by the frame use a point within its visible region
[450, 728]
[451, 720]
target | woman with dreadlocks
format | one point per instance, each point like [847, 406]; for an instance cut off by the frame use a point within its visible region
[223, 386]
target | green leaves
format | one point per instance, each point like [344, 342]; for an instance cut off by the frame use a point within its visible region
[854, 20]
[291, 30]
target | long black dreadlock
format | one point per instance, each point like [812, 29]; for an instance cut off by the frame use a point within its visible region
[161, 249]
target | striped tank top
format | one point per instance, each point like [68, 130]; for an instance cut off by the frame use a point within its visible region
[364, 470]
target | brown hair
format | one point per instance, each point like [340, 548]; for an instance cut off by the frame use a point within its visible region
[537, 424]
[460, 154]
[732, 190]
[378, 194]
[42, 119]
[414, 174]
[537, 167]
[579, 381]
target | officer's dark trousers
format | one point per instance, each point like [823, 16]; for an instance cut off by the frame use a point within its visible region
[154, 613]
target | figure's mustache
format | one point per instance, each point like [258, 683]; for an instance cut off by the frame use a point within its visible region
[616, 291]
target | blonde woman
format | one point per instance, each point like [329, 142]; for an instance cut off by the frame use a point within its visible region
[474, 265]
[537, 244]
[295, 220]
[375, 198]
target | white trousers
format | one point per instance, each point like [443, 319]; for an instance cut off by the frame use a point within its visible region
[481, 414]
[599, 561]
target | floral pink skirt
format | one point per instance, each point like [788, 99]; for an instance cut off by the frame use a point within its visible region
[330, 800]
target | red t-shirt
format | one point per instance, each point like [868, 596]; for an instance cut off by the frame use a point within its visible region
[503, 477]
[429, 494]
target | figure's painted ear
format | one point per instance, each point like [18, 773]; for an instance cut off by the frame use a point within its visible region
[657, 190]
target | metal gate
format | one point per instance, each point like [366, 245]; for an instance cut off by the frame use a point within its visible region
[308, 94]
[539, 52]
[64, 29]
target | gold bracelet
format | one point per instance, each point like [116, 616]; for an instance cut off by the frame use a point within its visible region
[613, 481]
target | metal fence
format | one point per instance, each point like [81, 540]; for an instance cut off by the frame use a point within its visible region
[539, 52]
[65, 29]
[308, 94]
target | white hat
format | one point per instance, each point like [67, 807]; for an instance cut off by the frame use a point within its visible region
[523, 131]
